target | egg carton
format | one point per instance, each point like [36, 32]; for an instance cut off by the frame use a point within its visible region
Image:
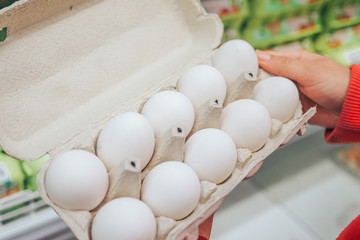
[78, 83]
[126, 178]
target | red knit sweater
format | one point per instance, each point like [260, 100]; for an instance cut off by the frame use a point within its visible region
[347, 130]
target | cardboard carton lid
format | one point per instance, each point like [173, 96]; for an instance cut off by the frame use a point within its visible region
[63, 77]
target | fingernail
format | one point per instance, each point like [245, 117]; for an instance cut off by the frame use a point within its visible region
[262, 55]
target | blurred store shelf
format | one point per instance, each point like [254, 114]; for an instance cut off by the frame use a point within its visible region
[331, 28]
[24, 215]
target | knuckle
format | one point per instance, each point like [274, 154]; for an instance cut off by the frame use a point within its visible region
[283, 61]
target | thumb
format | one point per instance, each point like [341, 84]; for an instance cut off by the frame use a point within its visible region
[288, 67]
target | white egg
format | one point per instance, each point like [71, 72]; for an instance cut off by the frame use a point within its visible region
[247, 122]
[169, 109]
[127, 136]
[76, 180]
[235, 57]
[202, 83]
[171, 189]
[279, 95]
[212, 154]
[124, 218]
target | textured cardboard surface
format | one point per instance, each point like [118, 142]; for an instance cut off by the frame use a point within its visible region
[64, 77]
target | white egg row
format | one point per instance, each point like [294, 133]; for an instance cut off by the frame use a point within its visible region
[172, 188]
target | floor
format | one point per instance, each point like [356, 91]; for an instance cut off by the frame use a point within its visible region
[300, 192]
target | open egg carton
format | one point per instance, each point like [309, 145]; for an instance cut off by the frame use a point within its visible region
[79, 75]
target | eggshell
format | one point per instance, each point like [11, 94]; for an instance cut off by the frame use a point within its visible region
[247, 122]
[279, 95]
[212, 154]
[127, 136]
[171, 189]
[202, 83]
[124, 218]
[235, 57]
[168, 109]
[76, 180]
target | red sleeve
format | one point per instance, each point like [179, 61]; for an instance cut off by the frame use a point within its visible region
[347, 129]
[352, 231]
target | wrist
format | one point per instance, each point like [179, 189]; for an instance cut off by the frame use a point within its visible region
[348, 126]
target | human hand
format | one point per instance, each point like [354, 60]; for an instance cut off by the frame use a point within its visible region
[320, 80]
[204, 229]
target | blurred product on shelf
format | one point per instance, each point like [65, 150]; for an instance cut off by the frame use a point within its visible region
[224, 8]
[350, 158]
[345, 55]
[263, 33]
[342, 13]
[265, 23]
[16, 175]
[302, 44]
[12, 177]
[31, 169]
[343, 45]
[328, 27]
[18, 191]
[271, 7]
[233, 14]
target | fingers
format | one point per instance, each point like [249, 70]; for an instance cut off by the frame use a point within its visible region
[290, 54]
[317, 77]
[280, 65]
[254, 170]
[294, 54]
[205, 227]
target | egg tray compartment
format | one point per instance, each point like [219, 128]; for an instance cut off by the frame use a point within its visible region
[125, 179]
